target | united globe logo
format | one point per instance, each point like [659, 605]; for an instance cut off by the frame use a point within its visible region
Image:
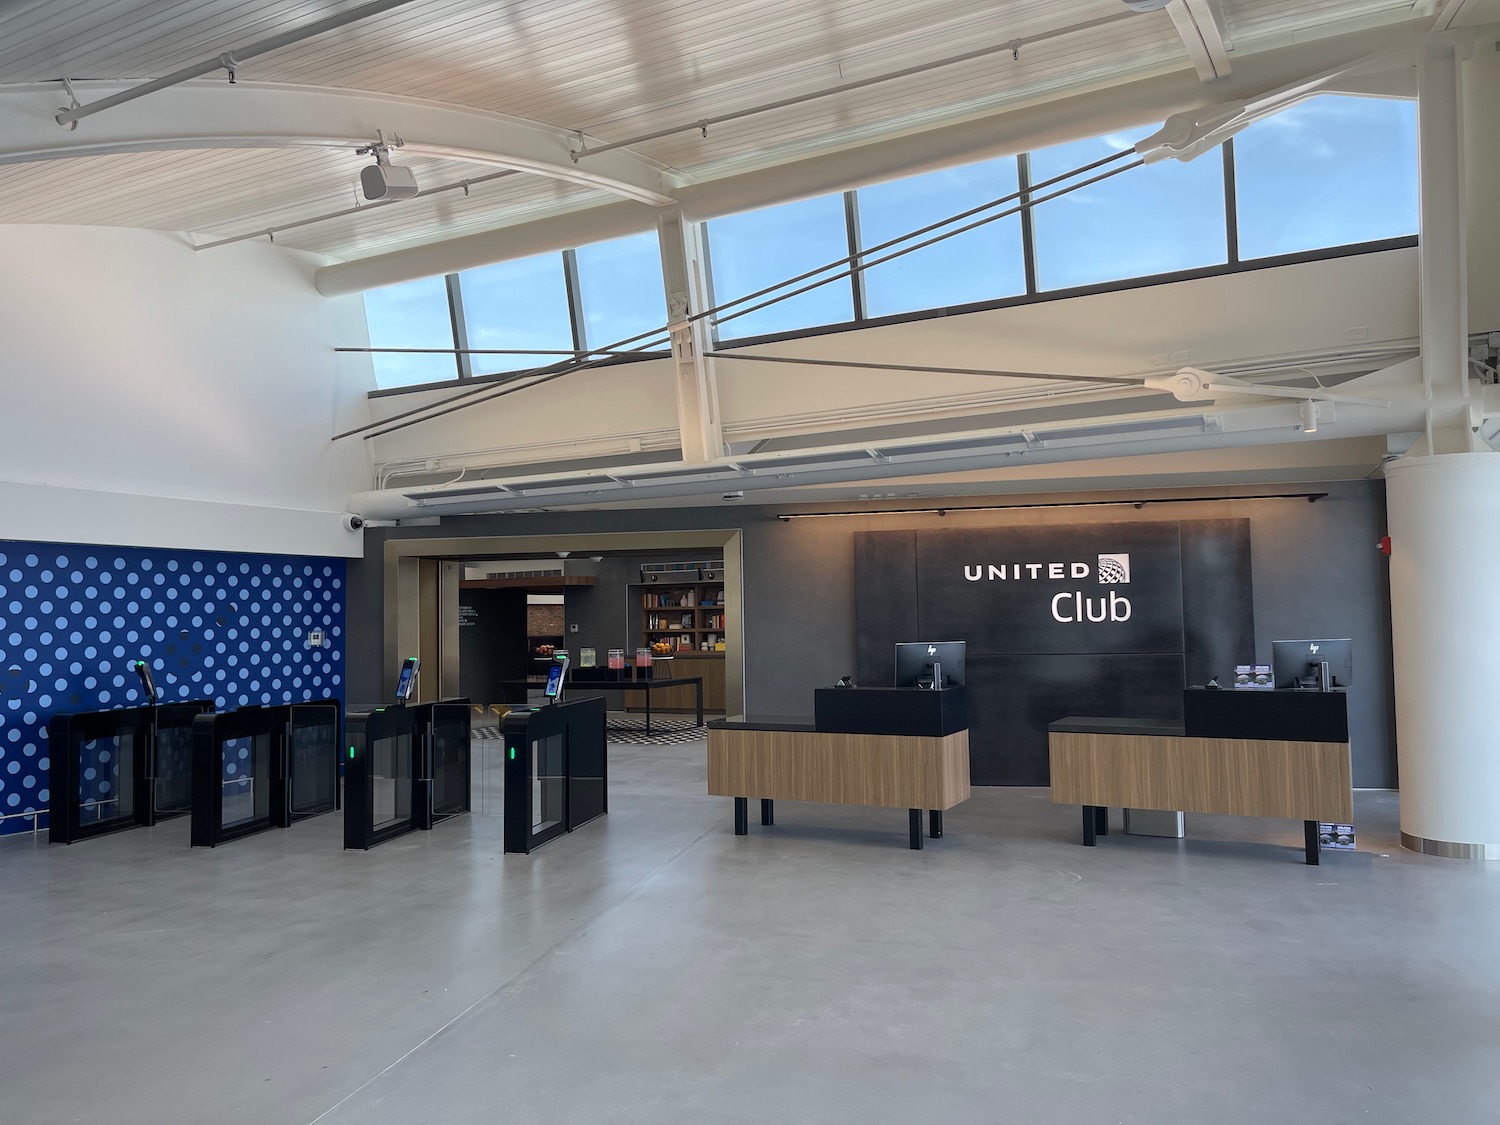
[1114, 570]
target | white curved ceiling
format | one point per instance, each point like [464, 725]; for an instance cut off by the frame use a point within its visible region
[611, 68]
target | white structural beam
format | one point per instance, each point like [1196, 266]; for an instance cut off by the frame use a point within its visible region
[1444, 267]
[1198, 25]
[218, 115]
[685, 276]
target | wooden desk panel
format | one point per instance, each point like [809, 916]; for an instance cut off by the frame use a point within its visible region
[886, 771]
[1240, 777]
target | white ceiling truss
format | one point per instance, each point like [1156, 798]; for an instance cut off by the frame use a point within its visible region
[524, 84]
[223, 116]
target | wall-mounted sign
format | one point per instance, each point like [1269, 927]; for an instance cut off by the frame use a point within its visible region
[1081, 588]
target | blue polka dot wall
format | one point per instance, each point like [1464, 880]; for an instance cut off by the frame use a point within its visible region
[230, 628]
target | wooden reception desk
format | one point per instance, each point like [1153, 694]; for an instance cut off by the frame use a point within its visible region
[797, 760]
[1291, 761]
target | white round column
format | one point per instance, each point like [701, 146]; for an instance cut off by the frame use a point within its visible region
[1444, 519]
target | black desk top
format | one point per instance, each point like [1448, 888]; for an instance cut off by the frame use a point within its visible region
[1077, 724]
[764, 722]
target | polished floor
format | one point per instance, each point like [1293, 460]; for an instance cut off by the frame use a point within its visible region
[655, 968]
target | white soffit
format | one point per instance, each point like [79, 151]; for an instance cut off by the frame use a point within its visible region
[611, 68]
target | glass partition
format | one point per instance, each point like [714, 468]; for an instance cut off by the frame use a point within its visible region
[1327, 172]
[978, 265]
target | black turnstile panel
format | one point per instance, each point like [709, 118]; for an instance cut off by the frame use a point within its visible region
[117, 769]
[408, 768]
[263, 767]
[556, 771]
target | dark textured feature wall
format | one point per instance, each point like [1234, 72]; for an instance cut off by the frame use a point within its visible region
[1059, 619]
[1315, 571]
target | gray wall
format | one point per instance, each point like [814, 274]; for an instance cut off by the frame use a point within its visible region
[608, 613]
[1316, 573]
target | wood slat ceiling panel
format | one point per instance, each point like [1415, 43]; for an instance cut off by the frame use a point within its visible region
[1250, 18]
[614, 68]
[218, 193]
[938, 97]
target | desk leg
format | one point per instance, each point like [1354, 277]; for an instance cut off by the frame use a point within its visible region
[935, 823]
[700, 702]
[742, 816]
[1090, 823]
[767, 811]
[914, 824]
[648, 715]
[1101, 821]
[1310, 842]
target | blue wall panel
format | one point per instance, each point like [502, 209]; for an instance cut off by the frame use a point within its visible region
[228, 627]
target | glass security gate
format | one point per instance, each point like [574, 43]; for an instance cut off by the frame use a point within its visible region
[119, 769]
[407, 769]
[263, 767]
[556, 771]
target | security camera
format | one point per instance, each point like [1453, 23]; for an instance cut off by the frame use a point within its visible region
[352, 522]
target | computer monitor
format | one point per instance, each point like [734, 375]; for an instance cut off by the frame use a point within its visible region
[917, 662]
[1294, 664]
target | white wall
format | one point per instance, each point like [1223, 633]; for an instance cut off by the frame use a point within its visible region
[153, 395]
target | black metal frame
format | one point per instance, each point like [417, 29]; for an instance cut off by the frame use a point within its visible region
[66, 735]
[276, 725]
[438, 778]
[585, 768]
[913, 821]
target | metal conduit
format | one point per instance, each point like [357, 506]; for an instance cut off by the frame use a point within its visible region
[357, 209]
[227, 60]
[483, 394]
[703, 124]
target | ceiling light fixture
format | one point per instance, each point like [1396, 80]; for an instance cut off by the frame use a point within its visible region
[383, 181]
[1146, 5]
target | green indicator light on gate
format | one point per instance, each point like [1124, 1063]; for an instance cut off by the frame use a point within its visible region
[512, 753]
[351, 751]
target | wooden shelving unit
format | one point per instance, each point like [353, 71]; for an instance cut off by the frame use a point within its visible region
[686, 615]
[686, 627]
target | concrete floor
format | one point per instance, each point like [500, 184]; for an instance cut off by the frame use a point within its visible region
[655, 968]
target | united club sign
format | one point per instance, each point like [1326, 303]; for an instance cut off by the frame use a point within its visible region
[1069, 607]
[1051, 588]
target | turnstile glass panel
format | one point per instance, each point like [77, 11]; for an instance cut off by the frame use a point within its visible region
[450, 761]
[247, 780]
[106, 780]
[390, 775]
[174, 770]
[313, 760]
[549, 782]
